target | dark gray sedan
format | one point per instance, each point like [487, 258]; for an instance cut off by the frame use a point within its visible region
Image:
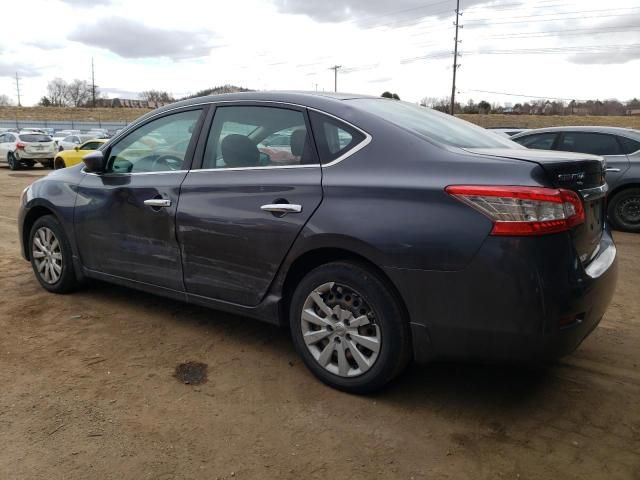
[379, 232]
[621, 149]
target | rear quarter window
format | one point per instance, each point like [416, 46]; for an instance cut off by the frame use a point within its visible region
[629, 145]
[333, 137]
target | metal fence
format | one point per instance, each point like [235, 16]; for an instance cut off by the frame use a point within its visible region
[62, 124]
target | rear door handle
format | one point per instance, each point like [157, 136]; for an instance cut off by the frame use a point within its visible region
[281, 208]
[612, 169]
[157, 202]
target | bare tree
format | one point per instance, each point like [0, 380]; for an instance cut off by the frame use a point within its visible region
[57, 90]
[5, 101]
[158, 96]
[78, 92]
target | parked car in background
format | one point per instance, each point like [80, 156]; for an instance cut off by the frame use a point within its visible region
[34, 130]
[399, 231]
[507, 132]
[68, 158]
[71, 141]
[98, 133]
[25, 149]
[621, 149]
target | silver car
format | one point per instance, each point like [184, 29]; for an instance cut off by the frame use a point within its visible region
[621, 149]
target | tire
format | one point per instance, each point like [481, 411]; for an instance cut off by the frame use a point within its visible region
[58, 163]
[48, 163]
[624, 210]
[29, 163]
[364, 297]
[13, 162]
[60, 279]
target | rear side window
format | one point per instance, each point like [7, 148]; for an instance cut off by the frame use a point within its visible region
[593, 143]
[333, 137]
[250, 137]
[35, 137]
[541, 141]
[628, 145]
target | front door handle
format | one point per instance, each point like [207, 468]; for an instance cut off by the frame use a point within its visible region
[281, 208]
[157, 202]
[611, 169]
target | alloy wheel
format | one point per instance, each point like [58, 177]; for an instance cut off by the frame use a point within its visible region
[47, 255]
[340, 330]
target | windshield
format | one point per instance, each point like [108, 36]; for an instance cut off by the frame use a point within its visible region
[434, 125]
[35, 137]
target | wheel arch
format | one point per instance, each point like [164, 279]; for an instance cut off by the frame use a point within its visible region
[34, 213]
[318, 256]
[623, 187]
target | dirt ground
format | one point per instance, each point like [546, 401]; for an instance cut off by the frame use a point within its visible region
[87, 390]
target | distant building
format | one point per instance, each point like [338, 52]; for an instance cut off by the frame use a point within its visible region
[633, 111]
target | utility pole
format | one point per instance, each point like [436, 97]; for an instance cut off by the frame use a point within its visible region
[18, 88]
[335, 76]
[455, 58]
[93, 85]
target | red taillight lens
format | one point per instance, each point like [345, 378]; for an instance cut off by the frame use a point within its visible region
[523, 210]
[20, 145]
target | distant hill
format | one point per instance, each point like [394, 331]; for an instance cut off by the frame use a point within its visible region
[218, 90]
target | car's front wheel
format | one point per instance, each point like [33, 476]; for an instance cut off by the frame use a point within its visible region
[59, 163]
[349, 327]
[50, 255]
[624, 210]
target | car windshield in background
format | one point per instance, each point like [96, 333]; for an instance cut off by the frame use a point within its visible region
[432, 124]
[35, 137]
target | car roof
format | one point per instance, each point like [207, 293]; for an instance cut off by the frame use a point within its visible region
[311, 99]
[625, 132]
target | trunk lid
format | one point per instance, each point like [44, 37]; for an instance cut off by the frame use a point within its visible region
[581, 173]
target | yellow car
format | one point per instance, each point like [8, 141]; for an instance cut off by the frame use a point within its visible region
[67, 158]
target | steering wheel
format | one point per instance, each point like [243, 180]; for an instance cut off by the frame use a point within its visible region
[168, 161]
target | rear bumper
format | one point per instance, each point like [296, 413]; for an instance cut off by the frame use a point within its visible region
[525, 299]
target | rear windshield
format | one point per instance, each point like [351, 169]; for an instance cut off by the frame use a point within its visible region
[35, 137]
[434, 125]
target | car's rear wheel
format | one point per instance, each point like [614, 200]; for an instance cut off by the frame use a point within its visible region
[349, 327]
[58, 163]
[50, 255]
[13, 162]
[29, 163]
[624, 210]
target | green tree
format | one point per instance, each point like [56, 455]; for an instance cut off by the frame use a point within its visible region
[386, 95]
[44, 102]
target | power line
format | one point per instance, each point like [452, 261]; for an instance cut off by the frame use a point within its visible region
[541, 97]
[483, 23]
[562, 13]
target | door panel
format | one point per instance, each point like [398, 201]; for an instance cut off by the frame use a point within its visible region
[617, 165]
[231, 248]
[119, 235]
[233, 237]
[125, 218]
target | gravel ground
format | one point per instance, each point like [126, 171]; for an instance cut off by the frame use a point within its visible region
[89, 389]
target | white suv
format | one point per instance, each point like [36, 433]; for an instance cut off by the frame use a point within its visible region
[18, 149]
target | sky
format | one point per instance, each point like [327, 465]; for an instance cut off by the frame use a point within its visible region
[510, 50]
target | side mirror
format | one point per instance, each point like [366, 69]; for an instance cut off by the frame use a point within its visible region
[95, 162]
[76, 148]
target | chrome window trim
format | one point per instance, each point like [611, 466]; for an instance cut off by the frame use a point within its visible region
[356, 148]
[119, 174]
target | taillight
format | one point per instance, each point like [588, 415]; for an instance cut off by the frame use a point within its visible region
[518, 210]
[20, 145]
